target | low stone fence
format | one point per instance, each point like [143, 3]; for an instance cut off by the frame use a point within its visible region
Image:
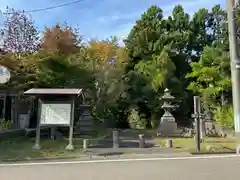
[214, 129]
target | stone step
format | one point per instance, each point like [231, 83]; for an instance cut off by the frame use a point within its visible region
[84, 128]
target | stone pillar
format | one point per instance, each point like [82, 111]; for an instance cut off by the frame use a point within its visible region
[169, 143]
[141, 141]
[115, 139]
[85, 144]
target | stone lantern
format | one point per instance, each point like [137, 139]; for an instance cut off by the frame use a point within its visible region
[84, 125]
[167, 126]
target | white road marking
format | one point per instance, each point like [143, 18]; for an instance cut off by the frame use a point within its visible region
[122, 160]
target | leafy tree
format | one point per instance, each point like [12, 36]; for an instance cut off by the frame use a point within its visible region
[158, 58]
[23, 70]
[224, 116]
[211, 74]
[142, 43]
[143, 39]
[58, 72]
[62, 40]
[101, 54]
[106, 60]
[187, 55]
[158, 70]
[19, 32]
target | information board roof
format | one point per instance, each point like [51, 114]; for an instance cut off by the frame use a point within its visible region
[46, 91]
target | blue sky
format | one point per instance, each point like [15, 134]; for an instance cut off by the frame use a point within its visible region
[100, 18]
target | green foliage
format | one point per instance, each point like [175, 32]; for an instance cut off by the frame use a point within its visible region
[5, 125]
[157, 70]
[135, 120]
[224, 116]
[23, 68]
[58, 72]
[144, 37]
[154, 122]
[211, 74]
[189, 56]
[158, 58]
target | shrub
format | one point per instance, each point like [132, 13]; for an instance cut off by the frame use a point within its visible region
[5, 125]
[135, 120]
[154, 122]
[224, 116]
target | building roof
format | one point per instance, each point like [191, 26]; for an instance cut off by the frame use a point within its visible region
[52, 91]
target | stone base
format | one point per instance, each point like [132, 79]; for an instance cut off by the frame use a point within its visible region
[168, 128]
[70, 147]
[238, 149]
[36, 147]
[237, 135]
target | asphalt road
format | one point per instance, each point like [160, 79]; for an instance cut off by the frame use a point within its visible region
[178, 169]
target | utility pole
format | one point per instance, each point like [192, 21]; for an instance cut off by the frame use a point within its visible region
[235, 66]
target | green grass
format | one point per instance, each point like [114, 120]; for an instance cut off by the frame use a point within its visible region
[209, 144]
[21, 148]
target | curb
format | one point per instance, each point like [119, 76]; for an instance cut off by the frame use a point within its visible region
[95, 156]
[125, 155]
[38, 159]
[213, 153]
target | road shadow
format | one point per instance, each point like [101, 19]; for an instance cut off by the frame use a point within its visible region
[111, 154]
[122, 144]
[213, 153]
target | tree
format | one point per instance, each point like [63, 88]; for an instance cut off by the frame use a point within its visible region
[23, 70]
[61, 40]
[189, 56]
[143, 39]
[211, 74]
[106, 60]
[208, 28]
[158, 58]
[19, 32]
[157, 70]
[100, 54]
[59, 72]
